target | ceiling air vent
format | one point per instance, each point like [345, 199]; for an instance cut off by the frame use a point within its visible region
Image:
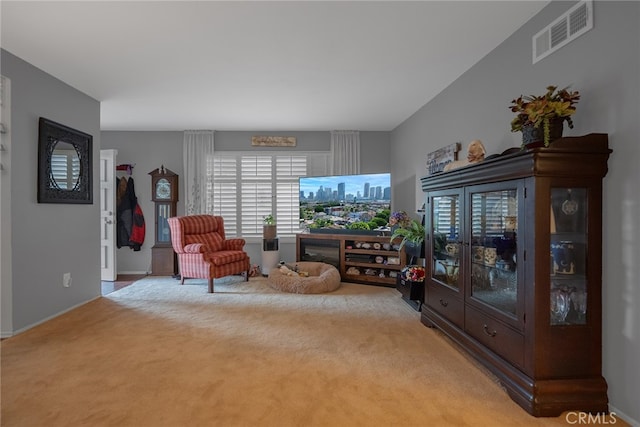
[571, 25]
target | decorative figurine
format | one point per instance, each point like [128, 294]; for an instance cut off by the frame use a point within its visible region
[475, 154]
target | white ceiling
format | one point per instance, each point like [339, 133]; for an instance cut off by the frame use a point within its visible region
[265, 65]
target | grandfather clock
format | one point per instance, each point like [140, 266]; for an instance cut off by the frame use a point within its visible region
[164, 190]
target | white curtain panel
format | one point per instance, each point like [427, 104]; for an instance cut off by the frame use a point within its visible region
[345, 152]
[197, 149]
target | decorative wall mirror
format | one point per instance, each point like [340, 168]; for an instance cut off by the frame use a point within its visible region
[64, 164]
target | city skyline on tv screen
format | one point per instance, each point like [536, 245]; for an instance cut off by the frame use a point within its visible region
[346, 188]
[361, 202]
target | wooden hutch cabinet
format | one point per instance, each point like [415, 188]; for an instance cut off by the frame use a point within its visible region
[514, 270]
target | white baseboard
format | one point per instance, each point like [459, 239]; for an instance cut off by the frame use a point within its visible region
[624, 417]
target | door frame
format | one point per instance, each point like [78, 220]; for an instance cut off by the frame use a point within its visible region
[108, 258]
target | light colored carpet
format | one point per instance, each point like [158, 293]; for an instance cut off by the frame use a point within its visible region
[160, 354]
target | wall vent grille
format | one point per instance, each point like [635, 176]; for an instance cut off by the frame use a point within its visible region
[571, 25]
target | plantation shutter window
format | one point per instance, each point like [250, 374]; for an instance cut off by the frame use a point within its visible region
[222, 191]
[288, 170]
[256, 192]
[246, 188]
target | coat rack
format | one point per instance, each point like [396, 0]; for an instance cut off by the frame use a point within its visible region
[126, 167]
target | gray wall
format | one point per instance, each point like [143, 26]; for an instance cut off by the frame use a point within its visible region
[375, 148]
[604, 65]
[148, 150]
[48, 239]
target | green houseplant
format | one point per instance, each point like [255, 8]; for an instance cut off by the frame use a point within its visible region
[412, 234]
[546, 113]
[269, 220]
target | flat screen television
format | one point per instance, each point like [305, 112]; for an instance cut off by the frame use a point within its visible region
[359, 203]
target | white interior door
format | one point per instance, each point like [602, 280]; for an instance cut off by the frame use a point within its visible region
[108, 214]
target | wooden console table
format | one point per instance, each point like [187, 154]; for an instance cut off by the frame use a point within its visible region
[377, 262]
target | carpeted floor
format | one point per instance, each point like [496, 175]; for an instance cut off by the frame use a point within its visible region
[159, 354]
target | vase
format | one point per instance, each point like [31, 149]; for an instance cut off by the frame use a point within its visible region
[534, 136]
[415, 250]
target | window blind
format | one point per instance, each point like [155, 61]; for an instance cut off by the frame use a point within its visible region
[247, 187]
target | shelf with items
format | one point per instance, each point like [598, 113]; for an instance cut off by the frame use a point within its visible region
[366, 259]
[372, 260]
[568, 249]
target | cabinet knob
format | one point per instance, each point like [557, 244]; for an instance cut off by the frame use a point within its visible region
[443, 302]
[486, 331]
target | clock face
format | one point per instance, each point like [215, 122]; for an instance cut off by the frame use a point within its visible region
[163, 189]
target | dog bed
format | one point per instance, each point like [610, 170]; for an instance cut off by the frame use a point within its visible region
[310, 278]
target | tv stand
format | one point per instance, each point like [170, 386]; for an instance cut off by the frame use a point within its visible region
[367, 259]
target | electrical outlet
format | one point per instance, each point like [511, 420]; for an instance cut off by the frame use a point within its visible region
[66, 280]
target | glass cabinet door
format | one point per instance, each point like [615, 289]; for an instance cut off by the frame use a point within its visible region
[446, 242]
[494, 244]
[568, 256]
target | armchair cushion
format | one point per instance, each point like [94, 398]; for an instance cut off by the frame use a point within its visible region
[195, 248]
[225, 257]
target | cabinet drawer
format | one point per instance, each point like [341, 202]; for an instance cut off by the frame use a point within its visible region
[497, 336]
[445, 302]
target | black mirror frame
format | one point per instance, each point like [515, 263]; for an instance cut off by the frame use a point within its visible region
[49, 133]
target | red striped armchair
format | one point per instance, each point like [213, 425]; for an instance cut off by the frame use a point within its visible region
[203, 250]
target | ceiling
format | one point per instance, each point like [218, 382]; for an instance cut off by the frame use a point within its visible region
[258, 66]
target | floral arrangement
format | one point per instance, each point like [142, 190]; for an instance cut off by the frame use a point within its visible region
[399, 218]
[540, 111]
[413, 273]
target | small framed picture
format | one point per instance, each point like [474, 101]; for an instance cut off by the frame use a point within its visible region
[437, 160]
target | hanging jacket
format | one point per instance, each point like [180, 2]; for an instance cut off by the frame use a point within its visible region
[131, 227]
[124, 211]
[137, 229]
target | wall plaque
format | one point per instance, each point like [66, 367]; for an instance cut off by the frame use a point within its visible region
[437, 160]
[273, 141]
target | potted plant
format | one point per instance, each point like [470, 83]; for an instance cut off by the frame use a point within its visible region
[269, 227]
[412, 234]
[541, 118]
